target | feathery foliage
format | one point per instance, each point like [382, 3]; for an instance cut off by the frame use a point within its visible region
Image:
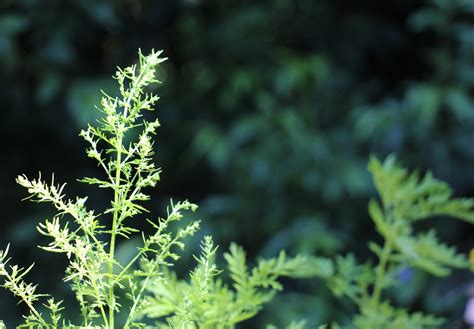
[206, 302]
[145, 287]
[147, 290]
[405, 198]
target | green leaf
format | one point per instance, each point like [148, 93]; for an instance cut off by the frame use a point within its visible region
[387, 317]
[411, 197]
[378, 217]
[428, 254]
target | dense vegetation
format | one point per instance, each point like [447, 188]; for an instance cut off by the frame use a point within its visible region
[271, 110]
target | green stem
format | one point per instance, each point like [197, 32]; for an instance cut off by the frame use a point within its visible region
[159, 259]
[35, 312]
[29, 304]
[116, 219]
[102, 311]
[380, 272]
[84, 314]
[113, 233]
[387, 250]
[135, 302]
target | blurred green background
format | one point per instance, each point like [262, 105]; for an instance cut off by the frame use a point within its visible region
[269, 110]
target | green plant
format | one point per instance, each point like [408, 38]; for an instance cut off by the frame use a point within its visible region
[143, 287]
[205, 302]
[271, 123]
[405, 199]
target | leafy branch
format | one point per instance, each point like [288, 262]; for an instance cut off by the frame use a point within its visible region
[406, 198]
[145, 286]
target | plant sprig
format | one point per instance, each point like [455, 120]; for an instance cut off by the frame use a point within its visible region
[142, 287]
[405, 198]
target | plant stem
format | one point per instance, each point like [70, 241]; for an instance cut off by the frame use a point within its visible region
[102, 312]
[113, 232]
[138, 298]
[381, 269]
[117, 195]
[27, 302]
[380, 272]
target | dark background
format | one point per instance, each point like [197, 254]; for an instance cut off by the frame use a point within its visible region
[270, 110]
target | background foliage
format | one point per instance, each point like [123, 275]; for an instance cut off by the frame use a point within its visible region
[270, 110]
